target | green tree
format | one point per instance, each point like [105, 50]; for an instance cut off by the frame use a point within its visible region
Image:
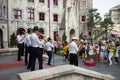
[106, 25]
[13, 41]
[80, 36]
[92, 20]
[64, 37]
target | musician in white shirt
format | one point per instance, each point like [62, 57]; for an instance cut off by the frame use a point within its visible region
[73, 50]
[37, 52]
[28, 46]
[20, 40]
[49, 47]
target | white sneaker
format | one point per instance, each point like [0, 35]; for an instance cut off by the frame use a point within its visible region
[110, 64]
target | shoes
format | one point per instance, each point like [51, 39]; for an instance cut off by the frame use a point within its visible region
[28, 67]
[110, 64]
[50, 64]
[116, 63]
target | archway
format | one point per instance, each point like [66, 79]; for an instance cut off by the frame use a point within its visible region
[72, 33]
[41, 30]
[1, 39]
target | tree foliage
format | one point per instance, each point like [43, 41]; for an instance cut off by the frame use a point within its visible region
[93, 19]
[106, 24]
[80, 36]
[13, 41]
[64, 37]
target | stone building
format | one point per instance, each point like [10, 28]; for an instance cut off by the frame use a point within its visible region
[76, 17]
[4, 38]
[51, 16]
[115, 17]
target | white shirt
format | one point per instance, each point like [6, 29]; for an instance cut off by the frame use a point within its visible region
[27, 40]
[103, 41]
[116, 54]
[73, 48]
[20, 38]
[35, 42]
[49, 46]
[55, 43]
[103, 48]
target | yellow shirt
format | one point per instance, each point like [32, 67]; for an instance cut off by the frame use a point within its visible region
[106, 45]
[65, 48]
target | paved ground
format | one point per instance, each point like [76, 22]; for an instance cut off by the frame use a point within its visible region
[11, 72]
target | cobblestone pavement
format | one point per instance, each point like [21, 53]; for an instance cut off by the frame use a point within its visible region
[11, 73]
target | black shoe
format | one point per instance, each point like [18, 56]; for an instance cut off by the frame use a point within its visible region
[19, 60]
[28, 67]
[50, 64]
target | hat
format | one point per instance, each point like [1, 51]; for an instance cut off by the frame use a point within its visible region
[74, 38]
[35, 28]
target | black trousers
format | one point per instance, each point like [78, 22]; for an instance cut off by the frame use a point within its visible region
[116, 59]
[49, 53]
[20, 51]
[73, 59]
[26, 54]
[29, 49]
[55, 50]
[36, 53]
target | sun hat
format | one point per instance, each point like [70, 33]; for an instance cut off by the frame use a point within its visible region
[74, 38]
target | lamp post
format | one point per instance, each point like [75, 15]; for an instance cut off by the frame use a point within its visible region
[8, 23]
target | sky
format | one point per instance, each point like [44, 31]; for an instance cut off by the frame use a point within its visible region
[103, 6]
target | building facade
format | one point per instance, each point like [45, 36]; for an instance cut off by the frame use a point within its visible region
[4, 39]
[115, 17]
[51, 16]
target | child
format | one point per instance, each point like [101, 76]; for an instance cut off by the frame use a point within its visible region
[102, 56]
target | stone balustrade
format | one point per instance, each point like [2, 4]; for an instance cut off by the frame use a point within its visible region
[65, 72]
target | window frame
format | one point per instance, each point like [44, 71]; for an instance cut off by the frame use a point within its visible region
[55, 17]
[31, 1]
[42, 1]
[84, 4]
[42, 16]
[83, 18]
[55, 2]
[17, 14]
[31, 13]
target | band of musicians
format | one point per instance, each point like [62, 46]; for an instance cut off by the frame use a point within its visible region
[32, 46]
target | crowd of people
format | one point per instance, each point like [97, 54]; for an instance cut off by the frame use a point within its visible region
[104, 51]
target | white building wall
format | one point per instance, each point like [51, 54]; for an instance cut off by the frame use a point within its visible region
[3, 23]
[74, 13]
[115, 17]
[39, 7]
[72, 19]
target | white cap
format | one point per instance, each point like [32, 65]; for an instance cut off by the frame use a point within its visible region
[74, 38]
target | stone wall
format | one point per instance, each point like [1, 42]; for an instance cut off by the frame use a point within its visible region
[65, 72]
